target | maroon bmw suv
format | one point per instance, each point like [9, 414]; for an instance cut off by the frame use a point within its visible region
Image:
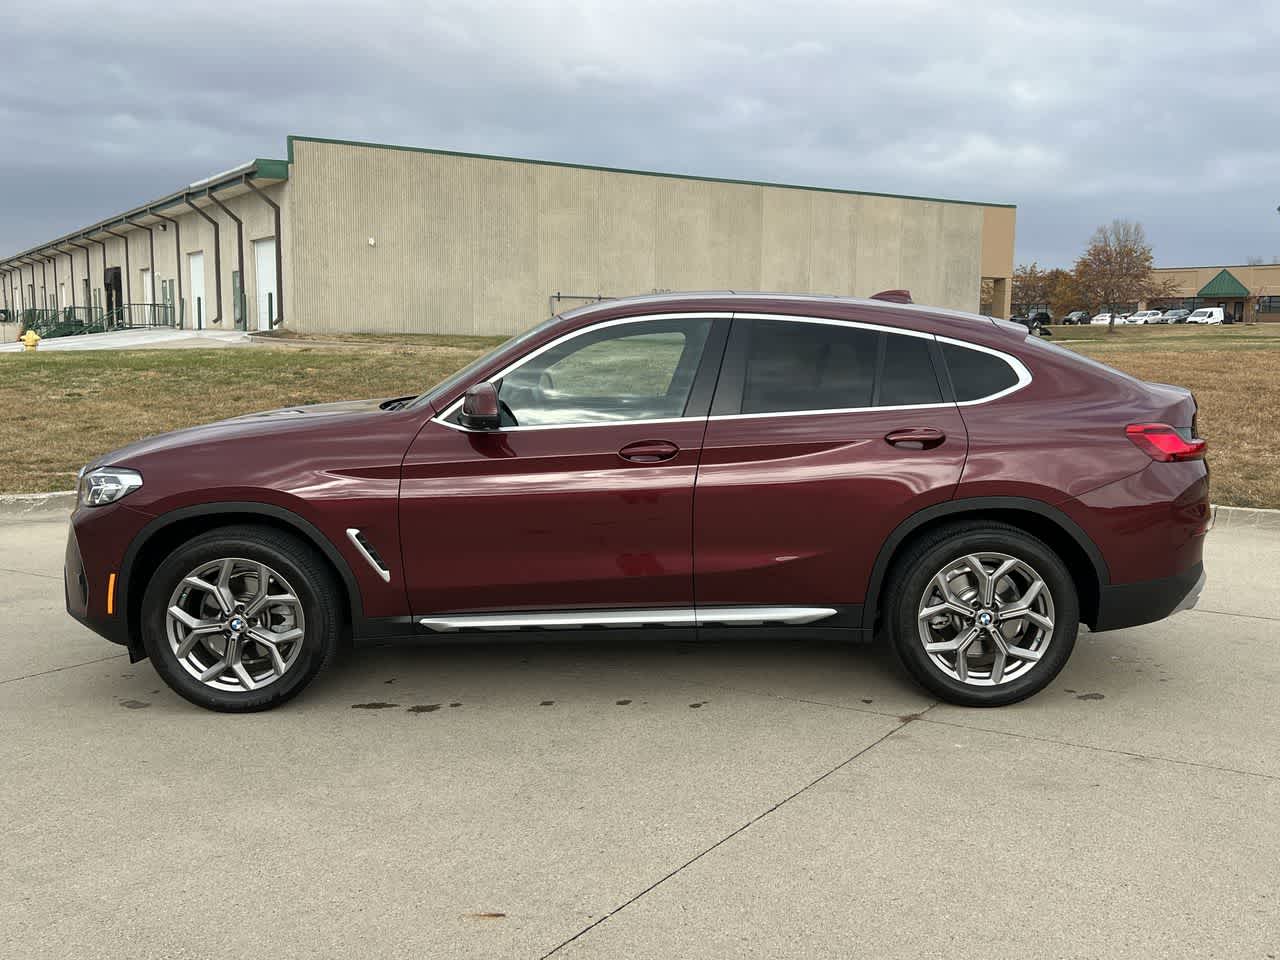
[718, 463]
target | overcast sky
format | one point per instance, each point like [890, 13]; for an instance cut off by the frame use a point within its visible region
[1163, 112]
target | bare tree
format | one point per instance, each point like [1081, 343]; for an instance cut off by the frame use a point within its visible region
[1116, 268]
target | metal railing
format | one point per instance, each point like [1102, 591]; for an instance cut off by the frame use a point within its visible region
[72, 321]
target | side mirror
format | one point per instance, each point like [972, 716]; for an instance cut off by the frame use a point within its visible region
[480, 409]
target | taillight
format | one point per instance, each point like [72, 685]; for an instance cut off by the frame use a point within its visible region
[1164, 443]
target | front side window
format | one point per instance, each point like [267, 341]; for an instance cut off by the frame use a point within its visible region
[618, 373]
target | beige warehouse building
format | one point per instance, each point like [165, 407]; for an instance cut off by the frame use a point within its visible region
[1246, 293]
[343, 236]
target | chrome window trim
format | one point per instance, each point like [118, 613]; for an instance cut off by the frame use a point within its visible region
[1020, 371]
[819, 413]
[566, 426]
[448, 411]
[628, 617]
[834, 322]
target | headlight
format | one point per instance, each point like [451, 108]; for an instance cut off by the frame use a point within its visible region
[106, 485]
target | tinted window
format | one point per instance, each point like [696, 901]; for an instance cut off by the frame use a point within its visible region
[907, 375]
[632, 371]
[794, 365]
[975, 374]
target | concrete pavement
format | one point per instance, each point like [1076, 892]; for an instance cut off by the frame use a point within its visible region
[645, 799]
[164, 338]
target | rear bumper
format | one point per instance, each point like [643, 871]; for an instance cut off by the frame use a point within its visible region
[1131, 604]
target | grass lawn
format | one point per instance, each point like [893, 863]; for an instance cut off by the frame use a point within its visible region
[1234, 371]
[63, 409]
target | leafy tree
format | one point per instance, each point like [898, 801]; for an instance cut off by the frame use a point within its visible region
[1116, 268]
[1064, 292]
[1030, 288]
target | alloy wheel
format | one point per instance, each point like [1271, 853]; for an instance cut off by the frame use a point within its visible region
[235, 624]
[986, 618]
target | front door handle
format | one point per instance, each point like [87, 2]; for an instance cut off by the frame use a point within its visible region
[649, 451]
[916, 438]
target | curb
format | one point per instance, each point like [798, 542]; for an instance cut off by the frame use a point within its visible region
[1246, 517]
[18, 505]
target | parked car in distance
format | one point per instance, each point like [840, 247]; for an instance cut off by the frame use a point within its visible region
[1036, 322]
[1209, 315]
[1145, 316]
[1105, 318]
[1075, 317]
[716, 464]
[1175, 316]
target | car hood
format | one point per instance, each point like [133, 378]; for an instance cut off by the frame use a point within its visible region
[283, 420]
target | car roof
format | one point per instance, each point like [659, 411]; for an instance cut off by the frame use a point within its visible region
[911, 315]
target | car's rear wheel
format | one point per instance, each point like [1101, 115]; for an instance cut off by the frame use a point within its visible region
[982, 614]
[241, 618]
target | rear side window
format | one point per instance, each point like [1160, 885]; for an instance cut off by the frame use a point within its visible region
[976, 374]
[906, 374]
[807, 366]
[790, 366]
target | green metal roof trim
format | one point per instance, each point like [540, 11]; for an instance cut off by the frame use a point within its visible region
[644, 173]
[260, 168]
[1224, 285]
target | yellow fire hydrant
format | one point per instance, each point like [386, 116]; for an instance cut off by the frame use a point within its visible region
[30, 340]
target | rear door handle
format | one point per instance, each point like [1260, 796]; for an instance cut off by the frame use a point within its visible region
[649, 451]
[916, 438]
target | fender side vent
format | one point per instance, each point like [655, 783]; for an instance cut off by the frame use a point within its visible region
[369, 552]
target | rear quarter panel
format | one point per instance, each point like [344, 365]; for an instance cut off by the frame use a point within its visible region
[1059, 436]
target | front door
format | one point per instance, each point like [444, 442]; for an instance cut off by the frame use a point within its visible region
[264, 263]
[583, 499]
[824, 435]
[196, 312]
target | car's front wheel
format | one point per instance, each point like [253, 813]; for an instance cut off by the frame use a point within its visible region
[982, 614]
[240, 618]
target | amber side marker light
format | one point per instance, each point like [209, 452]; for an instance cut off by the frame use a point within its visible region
[1164, 443]
[111, 595]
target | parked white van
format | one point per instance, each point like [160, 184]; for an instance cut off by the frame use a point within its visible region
[1206, 315]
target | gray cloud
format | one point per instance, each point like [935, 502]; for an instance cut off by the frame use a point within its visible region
[1163, 111]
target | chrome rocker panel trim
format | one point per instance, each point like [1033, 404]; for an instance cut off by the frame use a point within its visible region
[660, 617]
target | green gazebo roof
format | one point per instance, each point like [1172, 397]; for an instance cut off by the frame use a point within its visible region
[1223, 285]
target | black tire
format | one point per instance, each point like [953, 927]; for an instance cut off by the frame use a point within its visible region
[307, 574]
[911, 577]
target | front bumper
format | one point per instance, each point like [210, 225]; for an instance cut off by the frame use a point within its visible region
[85, 588]
[1131, 604]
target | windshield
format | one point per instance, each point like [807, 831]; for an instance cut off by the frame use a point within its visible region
[450, 383]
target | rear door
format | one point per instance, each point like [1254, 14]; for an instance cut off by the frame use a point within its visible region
[824, 435]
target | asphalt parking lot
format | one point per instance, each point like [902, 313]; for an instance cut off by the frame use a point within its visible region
[646, 799]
